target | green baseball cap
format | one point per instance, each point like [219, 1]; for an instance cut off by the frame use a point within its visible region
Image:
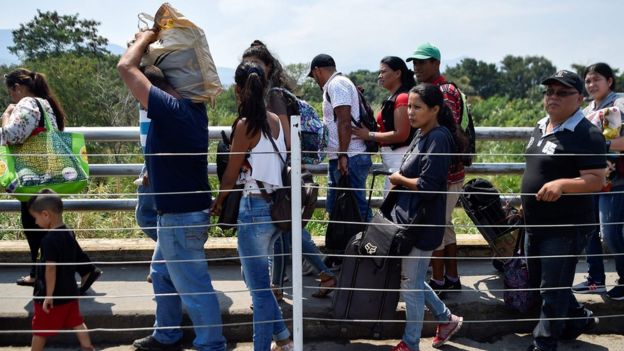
[425, 51]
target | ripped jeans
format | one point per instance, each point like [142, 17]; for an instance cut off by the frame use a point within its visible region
[417, 293]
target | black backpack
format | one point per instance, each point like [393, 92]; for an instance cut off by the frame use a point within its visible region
[466, 130]
[367, 119]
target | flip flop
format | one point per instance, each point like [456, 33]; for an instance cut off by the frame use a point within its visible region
[327, 281]
[23, 282]
[93, 276]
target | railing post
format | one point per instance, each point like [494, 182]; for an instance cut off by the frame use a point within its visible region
[295, 183]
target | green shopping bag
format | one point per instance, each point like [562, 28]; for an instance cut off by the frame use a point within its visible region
[51, 159]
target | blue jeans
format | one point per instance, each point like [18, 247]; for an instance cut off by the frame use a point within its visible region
[283, 245]
[413, 273]
[555, 273]
[611, 211]
[177, 243]
[595, 264]
[145, 212]
[256, 238]
[359, 165]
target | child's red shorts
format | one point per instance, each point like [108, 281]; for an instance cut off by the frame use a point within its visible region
[64, 316]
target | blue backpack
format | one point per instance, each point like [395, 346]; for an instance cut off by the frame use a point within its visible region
[314, 133]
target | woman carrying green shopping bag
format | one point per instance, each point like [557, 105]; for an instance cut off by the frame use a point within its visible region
[30, 93]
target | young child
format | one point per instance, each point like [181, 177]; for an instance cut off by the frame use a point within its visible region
[55, 286]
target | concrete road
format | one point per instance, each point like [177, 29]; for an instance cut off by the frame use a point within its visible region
[514, 342]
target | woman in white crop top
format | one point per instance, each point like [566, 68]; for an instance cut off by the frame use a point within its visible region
[256, 234]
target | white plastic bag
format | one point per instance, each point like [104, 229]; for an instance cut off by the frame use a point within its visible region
[609, 120]
[182, 53]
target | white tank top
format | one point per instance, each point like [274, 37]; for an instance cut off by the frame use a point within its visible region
[266, 164]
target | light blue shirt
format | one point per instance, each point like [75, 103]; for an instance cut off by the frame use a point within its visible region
[569, 124]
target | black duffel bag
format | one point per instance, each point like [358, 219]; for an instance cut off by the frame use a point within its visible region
[346, 209]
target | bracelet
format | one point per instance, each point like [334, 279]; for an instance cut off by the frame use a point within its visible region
[608, 143]
[371, 136]
[343, 155]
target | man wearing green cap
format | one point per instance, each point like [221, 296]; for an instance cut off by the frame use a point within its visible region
[426, 60]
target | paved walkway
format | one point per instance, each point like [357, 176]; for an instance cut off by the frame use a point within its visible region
[122, 299]
[514, 342]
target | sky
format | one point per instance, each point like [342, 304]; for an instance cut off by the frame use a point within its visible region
[358, 33]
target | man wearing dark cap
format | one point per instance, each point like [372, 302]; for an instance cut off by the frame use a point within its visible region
[346, 152]
[558, 220]
[444, 273]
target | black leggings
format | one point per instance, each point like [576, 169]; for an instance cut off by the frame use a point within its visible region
[34, 243]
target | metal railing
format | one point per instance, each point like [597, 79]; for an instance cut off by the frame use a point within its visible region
[131, 134]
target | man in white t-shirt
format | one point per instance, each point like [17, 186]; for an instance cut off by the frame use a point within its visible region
[341, 107]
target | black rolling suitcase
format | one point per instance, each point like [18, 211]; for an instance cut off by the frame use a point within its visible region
[367, 273]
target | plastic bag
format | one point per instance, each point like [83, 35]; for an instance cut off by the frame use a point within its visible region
[609, 120]
[50, 159]
[182, 53]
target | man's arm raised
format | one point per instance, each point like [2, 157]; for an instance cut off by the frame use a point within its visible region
[128, 66]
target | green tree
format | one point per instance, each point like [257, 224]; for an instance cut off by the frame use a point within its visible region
[521, 76]
[298, 72]
[89, 88]
[482, 78]
[49, 33]
[367, 80]
[306, 87]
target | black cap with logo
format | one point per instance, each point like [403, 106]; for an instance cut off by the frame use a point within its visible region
[567, 78]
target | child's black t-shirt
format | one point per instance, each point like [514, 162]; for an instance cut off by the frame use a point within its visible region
[60, 246]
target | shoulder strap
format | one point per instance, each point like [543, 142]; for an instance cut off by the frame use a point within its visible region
[285, 91]
[43, 122]
[461, 99]
[263, 191]
[279, 154]
[357, 124]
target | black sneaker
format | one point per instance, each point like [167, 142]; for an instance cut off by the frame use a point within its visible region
[617, 292]
[437, 288]
[449, 285]
[149, 343]
[591, 324]
[589, 286]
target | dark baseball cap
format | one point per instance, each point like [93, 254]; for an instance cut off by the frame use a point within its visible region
[567, 78]
[321, 60]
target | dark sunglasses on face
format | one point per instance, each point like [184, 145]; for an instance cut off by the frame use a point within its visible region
[559, 93]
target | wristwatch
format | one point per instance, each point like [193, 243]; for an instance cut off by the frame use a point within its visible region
[371, 136]
[608, 143]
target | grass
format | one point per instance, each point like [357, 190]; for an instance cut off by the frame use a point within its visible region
[122, 224]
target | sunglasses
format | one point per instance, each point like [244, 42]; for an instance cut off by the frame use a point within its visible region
[559, 93]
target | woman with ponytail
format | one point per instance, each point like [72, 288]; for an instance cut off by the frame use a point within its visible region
[423, 173]
[280, 86]
[253, 161]
[20, 120]
[395, 131]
